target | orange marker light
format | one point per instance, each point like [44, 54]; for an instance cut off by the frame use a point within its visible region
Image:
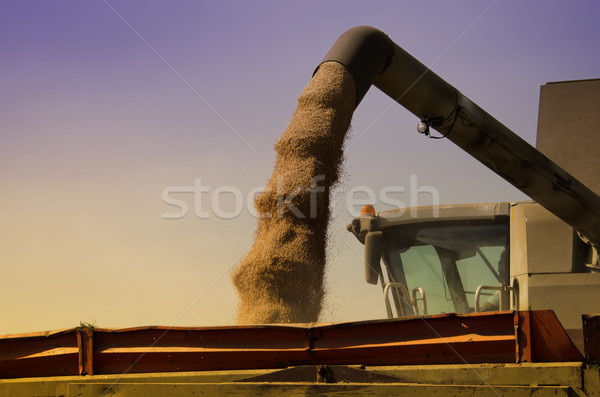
[367, 209]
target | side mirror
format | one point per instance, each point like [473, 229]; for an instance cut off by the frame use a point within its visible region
[373, 251]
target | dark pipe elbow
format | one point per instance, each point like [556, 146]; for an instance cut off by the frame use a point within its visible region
[366, 52]
[373, 58]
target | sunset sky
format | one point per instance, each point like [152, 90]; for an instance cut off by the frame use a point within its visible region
[105, 105]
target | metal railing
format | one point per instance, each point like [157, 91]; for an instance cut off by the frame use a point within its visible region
[405, 297]
[502, 288]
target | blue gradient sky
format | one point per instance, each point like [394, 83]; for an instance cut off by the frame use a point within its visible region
[96, 120]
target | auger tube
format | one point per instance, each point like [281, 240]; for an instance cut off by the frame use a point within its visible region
[373, 59]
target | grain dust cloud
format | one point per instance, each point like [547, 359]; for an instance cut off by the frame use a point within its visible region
[280, 280]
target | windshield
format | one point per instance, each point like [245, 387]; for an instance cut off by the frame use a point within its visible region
[448, 261]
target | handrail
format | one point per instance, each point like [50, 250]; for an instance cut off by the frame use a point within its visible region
[423, 299]
[501, 288]
[404, 297]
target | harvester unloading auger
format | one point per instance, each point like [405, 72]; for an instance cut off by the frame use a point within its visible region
[272, 280]
[372, 58]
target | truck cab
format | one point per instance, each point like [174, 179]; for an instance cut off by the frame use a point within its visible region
[467, 258]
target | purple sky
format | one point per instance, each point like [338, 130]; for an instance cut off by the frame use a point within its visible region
[106, 104]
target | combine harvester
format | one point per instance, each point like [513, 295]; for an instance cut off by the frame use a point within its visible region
[475, 294]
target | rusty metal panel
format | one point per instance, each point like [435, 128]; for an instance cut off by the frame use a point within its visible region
[195, 349]
[591, 336]
[524, 336]
[548, 339]
[85, 343]
[440, 339]
[499, 337]
[40, 354]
